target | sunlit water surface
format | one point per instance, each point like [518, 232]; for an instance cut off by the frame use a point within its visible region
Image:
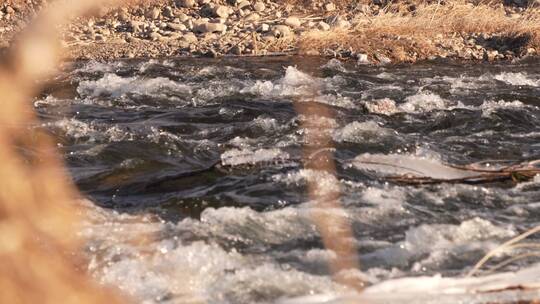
[197, 192]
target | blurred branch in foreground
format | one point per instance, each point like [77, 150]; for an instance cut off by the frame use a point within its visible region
[328, 214]
[37, 215]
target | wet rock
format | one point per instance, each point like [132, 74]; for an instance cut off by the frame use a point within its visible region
[237, 50]
[293, 22]
[259, 7]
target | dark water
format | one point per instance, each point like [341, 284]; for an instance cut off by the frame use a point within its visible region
[205, 156]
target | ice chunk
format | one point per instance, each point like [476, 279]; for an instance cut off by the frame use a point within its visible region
[235, 157]
[397, 165]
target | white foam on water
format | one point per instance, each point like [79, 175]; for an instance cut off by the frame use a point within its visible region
[267, 124]
[90, 132]
[112, 85]
[144, 66]
[326, 183]
[425, 102]
[247, 156]
[364, 132]
[516, 79]
[385, 202]
[490, 106]
[212, 89]
[147, 259]
[252, 227]
[430, 246]
[296, 83]
[293, 83]
[49, 100]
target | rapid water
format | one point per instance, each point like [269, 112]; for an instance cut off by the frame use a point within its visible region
[196, 192]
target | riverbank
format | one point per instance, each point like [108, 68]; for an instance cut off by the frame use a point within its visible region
[372, 32]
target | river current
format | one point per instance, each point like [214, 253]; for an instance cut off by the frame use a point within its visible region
[196, 190]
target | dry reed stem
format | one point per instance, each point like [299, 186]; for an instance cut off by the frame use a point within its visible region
[37, 212]
[505, 246]
[328, 216]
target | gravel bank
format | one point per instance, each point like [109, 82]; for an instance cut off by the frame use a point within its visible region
[248, 28]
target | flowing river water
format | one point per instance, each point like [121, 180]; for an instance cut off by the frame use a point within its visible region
[196, 189]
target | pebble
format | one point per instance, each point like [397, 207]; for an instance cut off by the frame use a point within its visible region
[293, 22]
[123, 16]
[259, 7]
[323, 26]
[154, 36]
[186, 3]
[179, 27]
[168, 12]
[182, 17]
[154, 13]
[252, 17]
[362, 59]
[243, 4]
[236, 50]
[9, 10]
[221, 11]
[383, 60]
[190, 38]
[281, 31]
[329, 7]
[177, 24]
[264, 28]
[136, 26]
[209, 27]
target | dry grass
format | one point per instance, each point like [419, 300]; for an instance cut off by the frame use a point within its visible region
[408, 36]
[37, 216]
